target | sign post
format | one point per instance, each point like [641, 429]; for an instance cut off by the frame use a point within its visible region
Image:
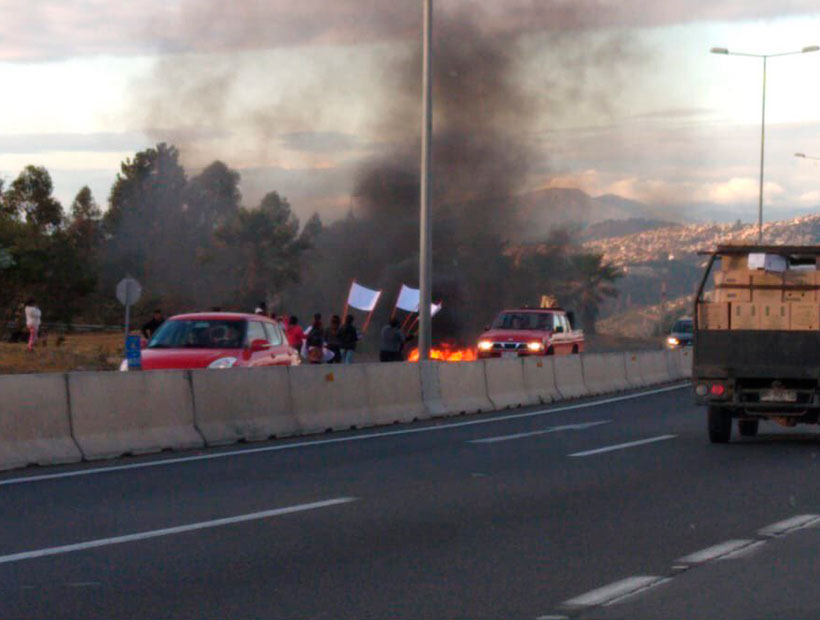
[128, 293]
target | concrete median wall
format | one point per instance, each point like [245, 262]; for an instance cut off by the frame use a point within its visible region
[505, 383]
[329, 397]
[569, 376]
[539, 379]
[116, 413]
[463, 387]
[244, 404]
[604, 372]
[654, 367]
[633, 370]
[34, 421]
[394, 393]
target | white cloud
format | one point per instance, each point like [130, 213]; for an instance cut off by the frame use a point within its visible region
[738, 190]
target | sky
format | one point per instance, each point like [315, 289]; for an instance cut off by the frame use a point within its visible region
[629, 99]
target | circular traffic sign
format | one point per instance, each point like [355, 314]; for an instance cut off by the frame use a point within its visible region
[128, 291]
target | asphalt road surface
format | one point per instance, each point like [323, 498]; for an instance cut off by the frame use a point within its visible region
[611, 508]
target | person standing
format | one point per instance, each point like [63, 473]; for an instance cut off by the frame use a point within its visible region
[392, 341]
[152, 325]
[348, 337]
[33, 316]
[295, 333]
[334, 343]
[315, 340]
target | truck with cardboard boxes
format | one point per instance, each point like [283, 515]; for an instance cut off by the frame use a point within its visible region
[757, 338]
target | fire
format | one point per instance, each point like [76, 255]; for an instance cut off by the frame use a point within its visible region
[446, 353]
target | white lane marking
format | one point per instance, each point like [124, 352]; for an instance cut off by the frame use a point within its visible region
[639, 591]
[552, 617]
[545, 431]
[744, 552]
[168, 531]
[787, 525]
[322, 442]
[623, 446]
[612, 592]
[715, 551]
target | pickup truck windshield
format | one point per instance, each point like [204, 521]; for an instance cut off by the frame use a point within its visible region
[682, 327]
[524, 320]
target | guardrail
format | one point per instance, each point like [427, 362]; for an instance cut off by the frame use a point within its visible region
[63, 418]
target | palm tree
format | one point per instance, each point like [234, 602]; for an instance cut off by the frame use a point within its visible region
[591, 283]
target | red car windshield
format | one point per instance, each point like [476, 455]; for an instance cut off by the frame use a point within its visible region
[199, 334]
[541, 321]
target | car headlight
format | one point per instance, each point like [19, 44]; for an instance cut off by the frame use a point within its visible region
[223, 362]
[484, 345]
[124, 366]
[535, 346]
[672, 340]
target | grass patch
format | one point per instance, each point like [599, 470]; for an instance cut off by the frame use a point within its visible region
[64, 352]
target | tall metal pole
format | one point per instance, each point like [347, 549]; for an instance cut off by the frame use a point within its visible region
[426, 233]
[762, 143]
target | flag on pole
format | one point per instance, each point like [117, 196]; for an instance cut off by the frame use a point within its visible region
[362, 298]
[408, 299]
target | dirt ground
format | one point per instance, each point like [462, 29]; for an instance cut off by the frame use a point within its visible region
[64, 352]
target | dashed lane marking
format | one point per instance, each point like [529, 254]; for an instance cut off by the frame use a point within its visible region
[613, 591]
[168, 531]
[788, 525]
[545, 431]
[623, 446]
[715, 551]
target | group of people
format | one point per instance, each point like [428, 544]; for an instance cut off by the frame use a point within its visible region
[334, 344]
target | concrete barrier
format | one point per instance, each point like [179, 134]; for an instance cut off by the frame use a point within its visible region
[505, 383]
[633, 369]
[539, 379]
[685, 362]
[431, 389]
[463, 387]
[115, 413]
[654, 367]
[394, 393]
[329, 397]
[569, 376]
[249, 404]
[604, 372]
[34, 421]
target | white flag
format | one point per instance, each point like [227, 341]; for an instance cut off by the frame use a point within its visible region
[363, 298]
[408, 299]
[435, 309]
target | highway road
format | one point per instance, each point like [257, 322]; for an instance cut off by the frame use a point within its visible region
[609, 508]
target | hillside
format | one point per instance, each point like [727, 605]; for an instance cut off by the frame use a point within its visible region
[683, 242]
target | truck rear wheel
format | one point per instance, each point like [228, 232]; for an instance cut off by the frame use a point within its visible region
[747, 428]
[720, 424]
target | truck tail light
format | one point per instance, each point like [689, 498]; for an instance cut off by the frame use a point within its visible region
[717, 389]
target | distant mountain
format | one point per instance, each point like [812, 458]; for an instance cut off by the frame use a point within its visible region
[620, 228]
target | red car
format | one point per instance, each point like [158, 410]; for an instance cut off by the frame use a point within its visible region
[527, 331]
[217, 340]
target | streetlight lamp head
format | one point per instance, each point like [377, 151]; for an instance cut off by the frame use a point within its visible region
[810, 48]
[799, 154]
[719, 50]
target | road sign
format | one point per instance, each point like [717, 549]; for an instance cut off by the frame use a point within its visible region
[133, 352]
[128, 291]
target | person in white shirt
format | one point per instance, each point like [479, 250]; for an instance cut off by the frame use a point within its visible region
[32, 322]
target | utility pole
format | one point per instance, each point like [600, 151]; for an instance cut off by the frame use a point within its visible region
[426, 233]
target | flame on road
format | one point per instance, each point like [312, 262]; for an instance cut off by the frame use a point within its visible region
[444, 353]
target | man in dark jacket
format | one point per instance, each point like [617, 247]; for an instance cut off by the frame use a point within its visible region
[348, 337]
[392, 342]
[152, 326]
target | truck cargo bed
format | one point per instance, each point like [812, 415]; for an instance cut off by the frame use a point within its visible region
[768, 354]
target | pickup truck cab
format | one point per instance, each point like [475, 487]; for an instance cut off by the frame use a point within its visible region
[529, 331]
[756, 349]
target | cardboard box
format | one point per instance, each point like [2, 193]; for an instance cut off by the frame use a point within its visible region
[746, 316]
[743, 295]
[775, 316]
[767, 288]
[733, 285]
[713, 315]
[734, 263]
[804, 317]
[800, 279]
[737, 277]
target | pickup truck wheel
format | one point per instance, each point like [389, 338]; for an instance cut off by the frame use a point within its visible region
[550, 351]
[720, 424]
[575, 350]
[747, 428]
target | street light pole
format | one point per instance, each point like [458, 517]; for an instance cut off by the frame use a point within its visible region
[426, 221]
[765, 57]
[762, 144]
